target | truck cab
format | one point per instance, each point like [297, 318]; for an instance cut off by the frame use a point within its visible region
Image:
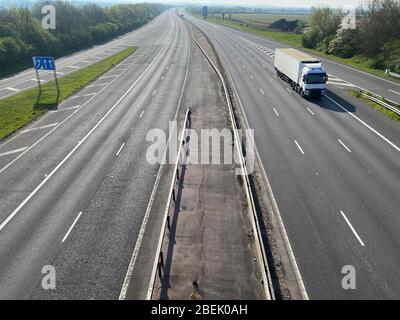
[313, 80]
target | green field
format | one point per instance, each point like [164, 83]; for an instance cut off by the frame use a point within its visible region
[295, 40]
[287, 37]
[22, 108]
[267, 18]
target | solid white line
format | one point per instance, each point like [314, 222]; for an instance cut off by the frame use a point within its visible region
[290, 91]
[141, 114]
[275, 76]
[394, 91]
[42, 127]
[309, 110]
[262, 91]
[274, 204]
[13, 151]
[344, 145]
[13, 89]
[352, 229]
[89, 94]
[155, 91]
[139, 240]
[276, 112]
[74, 67]
[23, 203]
[298, 146]
[120, 149]
[70, 228]
[361, 121]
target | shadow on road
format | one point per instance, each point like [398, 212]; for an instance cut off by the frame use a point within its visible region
[325, 103]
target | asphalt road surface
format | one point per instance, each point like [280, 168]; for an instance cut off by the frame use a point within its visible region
[333, 164]
[155, 29]
[75, 185]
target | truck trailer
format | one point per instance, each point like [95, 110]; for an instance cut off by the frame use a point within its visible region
[304, 73]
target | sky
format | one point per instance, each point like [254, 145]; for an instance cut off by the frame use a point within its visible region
[276, 3]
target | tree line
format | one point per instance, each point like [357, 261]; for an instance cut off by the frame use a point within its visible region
[375, 39]
[77, 27]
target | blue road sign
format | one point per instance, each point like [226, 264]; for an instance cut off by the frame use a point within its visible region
[44, 63]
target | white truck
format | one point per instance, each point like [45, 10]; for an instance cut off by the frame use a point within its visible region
[304, 73]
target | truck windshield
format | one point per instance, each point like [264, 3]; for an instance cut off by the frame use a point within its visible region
[316, 78]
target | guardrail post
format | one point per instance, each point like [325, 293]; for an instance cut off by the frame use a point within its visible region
[168, 222]
[173, 194]
[177, 174]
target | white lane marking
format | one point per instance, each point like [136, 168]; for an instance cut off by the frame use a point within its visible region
[162, 78]
[276, 112]
[251, 76]
[298, 146]
[362, 122]
[89, 94]
[66, 109]
[85, 61]
[275, 76]
[13, 151]
[290, 91]
[340, 141]
[74, 67]
[352, 228]
[120, 149]
[262, 91]
[98, 84]
[141, 114]
[344, 84]
[309, 110]
[13, 89]
[42, 127]
[23, 203]
[394, 91]
[155, 91]
[33, 80]
[71, 227]
[139, 240]
[106, 77]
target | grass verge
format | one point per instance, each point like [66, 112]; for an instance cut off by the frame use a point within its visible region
[376, 106]
[22, 108]
[295, 40]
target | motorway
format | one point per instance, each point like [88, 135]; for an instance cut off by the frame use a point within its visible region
[333, 166]
[139, 37]
[75, 185]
